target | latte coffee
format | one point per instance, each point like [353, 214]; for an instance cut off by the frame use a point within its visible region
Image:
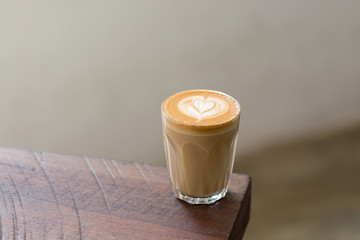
[200, 132]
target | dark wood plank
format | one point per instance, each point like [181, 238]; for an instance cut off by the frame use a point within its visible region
[52, 196]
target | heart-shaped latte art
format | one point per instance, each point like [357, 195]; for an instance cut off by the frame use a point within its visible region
[203, 106]
[200, 108]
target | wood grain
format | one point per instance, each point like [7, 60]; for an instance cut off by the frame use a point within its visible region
[52, 196]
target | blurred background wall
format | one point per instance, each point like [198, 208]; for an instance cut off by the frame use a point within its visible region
[88, 77]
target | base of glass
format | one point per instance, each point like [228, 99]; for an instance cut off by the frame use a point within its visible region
[200, 200]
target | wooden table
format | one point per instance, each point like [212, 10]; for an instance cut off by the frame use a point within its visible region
[52, 196]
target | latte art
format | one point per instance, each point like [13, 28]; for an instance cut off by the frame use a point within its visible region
[201, 108]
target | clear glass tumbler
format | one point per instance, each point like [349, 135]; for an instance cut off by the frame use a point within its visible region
[200, 160]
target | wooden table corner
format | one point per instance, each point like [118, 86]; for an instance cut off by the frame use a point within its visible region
[54, 196]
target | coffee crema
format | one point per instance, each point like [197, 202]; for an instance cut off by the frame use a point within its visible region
[201, 108]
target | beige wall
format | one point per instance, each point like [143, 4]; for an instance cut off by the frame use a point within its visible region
[88, 77]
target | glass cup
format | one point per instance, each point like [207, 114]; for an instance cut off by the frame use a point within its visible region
[200, 160]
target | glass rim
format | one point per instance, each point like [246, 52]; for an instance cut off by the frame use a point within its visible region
[202, 126]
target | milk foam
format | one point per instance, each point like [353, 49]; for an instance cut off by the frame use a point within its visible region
[202, 108]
